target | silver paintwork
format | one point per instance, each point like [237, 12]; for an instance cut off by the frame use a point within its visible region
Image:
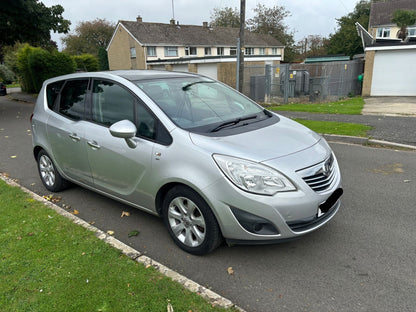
[89, 155]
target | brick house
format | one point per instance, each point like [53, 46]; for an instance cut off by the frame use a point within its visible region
[211, 51]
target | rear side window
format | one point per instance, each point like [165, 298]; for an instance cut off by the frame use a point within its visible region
[73, 98]
[111, 103]
[52, 92]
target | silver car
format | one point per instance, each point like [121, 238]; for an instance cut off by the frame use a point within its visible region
[208, 160]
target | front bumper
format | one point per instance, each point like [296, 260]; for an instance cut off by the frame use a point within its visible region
[246, 217]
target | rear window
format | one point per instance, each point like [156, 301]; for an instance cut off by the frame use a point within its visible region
[52, 91]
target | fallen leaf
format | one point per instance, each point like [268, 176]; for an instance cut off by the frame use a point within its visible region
[125, 213]
[56, 199]
[30, 234]
[407, 181]
[75, 212]
[14, 156]
[230, 271]
[169, 307]
[133, 233]
[109, 232]
[92, 222]
[148, 266]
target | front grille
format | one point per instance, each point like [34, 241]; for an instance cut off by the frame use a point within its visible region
[320, 177]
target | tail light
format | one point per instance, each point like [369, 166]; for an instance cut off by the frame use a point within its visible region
[31, 117]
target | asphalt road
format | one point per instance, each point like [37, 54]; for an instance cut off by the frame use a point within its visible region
[363, 260]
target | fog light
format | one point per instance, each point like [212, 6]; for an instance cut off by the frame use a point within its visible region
[254, 224]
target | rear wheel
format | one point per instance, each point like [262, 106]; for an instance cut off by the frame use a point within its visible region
[49, 175]
[190, 221]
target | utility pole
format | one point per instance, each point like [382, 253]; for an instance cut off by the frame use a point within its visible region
[240, 64]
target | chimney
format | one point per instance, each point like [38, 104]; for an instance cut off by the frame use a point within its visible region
[172, 21]
[205, 24]
[139, 19]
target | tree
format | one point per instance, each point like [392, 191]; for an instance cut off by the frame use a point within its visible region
[345, 40]
[226, 17]
[30, 21]
[404, 18]
[313, 45]
[271, 21]
[89, 37]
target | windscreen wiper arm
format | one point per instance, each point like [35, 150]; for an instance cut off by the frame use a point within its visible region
[232, 122]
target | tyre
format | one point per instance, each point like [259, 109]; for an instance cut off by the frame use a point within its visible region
[190, 221]
[49, 175]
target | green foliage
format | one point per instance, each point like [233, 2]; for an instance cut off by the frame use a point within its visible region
[6, 75]
[352, 106]
[334, 127]
[30, 21]
[226, 17]
[345, 40]
[404, 18]
[35, 65]
[48, 263]
[103, 59]
[89, 37]
[86, 62]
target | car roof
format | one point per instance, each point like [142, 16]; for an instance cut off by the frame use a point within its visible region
[135, 75]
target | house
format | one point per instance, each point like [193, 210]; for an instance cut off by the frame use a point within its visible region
[211, 51]
[390, 67]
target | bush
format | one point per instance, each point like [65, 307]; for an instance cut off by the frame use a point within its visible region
[103, 59]
[86, 62]
[6, 75]
[35, 65]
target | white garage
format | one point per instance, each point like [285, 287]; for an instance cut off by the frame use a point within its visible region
[394, 72]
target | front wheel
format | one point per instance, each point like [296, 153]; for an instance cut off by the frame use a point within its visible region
[190, 221]
[49, 175]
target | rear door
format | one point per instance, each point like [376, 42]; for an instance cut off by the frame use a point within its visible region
[66, 130]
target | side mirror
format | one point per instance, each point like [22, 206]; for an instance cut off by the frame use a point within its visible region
[124, 129]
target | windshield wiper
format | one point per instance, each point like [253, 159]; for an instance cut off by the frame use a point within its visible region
[186, 87]
[232, 122]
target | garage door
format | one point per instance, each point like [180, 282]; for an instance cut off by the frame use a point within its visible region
[394, 73]
[209, 70]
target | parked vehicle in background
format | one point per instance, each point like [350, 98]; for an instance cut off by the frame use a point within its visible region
[3, 90]
[208, 160]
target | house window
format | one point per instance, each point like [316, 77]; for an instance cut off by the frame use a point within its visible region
[207, 51]
[220, 51]
[249, 51]
[383, 32]
[262, 51]
[190, 51]
[132, 52]
[411, 31]
[171, 51]
[233, 51]
[275, 51]
[151, 51]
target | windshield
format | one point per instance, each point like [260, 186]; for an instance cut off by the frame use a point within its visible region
[199, 103]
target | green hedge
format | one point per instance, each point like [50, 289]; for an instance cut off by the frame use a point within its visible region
[35, 65]
[86, 62]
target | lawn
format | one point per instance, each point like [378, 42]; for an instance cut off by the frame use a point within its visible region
[48, 263]
[333, 127]
[351, 106]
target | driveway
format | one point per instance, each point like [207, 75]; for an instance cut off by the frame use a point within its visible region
[390, 106]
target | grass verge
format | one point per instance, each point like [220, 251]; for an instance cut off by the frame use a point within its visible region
[351, 106]
[48, 263]
[333, 127]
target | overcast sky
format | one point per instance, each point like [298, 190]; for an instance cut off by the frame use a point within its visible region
[308, 17]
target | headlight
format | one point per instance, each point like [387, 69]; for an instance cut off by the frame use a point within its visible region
[253, 177]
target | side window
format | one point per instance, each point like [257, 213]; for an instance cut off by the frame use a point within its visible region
[146, 123]
[73, 98]
[52, 91]
[111, 103]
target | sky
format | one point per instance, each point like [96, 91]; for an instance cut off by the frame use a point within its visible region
[308, 17]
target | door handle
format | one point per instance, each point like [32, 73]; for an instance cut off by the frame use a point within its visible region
[94, 144]
[74, 137]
